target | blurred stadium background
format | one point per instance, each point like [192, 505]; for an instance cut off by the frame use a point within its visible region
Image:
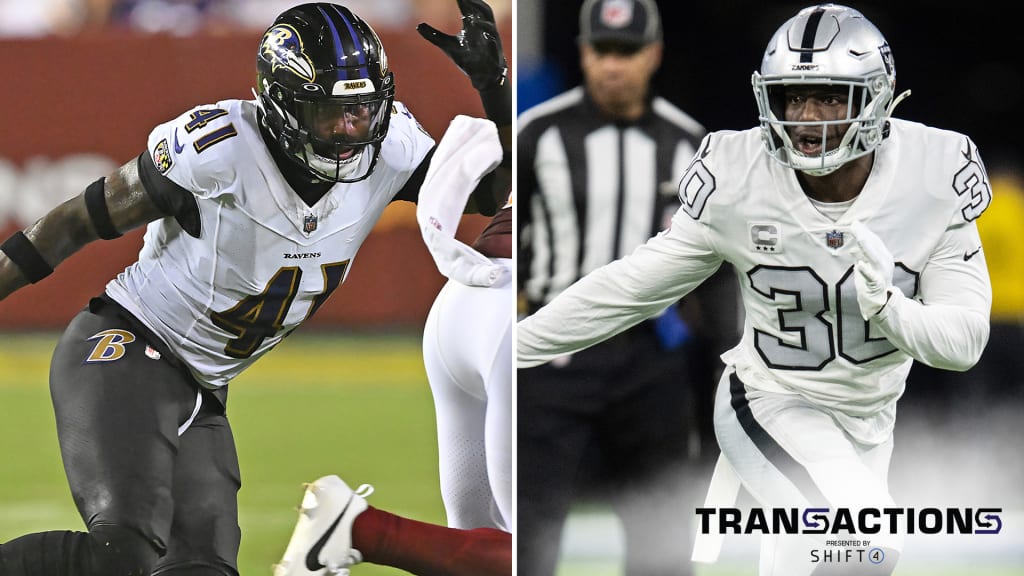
[347, 394]
[958, 435]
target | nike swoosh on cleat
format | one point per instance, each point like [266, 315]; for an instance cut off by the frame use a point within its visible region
[971, 255]
[313, 557]
[177, 147]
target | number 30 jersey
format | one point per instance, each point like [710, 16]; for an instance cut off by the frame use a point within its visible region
[803, 330]
[263, 260]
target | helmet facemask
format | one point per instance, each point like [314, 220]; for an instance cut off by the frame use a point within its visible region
[337, 139]
[865, 121]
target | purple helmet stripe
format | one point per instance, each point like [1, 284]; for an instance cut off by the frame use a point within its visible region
[354, 35]
[340, 51]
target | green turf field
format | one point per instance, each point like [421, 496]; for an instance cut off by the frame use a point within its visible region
[319, 404]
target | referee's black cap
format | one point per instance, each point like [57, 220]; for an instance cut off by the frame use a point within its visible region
[635, 22]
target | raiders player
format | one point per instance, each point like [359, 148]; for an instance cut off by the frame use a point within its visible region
[854, 238]
[255, 211]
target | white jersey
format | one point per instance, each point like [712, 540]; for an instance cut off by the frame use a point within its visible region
[803, 332]
[264, 261]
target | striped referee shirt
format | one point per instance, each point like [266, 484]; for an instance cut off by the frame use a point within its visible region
[595, 188]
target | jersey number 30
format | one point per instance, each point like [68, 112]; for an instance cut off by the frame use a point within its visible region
[817, 340]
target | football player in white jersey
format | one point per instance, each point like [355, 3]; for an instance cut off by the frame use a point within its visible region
[467, 353]
[255, 212]
[854, 238]
[467, 340]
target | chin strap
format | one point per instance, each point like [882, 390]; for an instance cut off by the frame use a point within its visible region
[895, 101]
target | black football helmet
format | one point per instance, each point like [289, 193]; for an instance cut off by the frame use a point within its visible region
[324, 90]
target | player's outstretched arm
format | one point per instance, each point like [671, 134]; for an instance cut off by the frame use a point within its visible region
[477, 51]
[107, 208]
[619, 294]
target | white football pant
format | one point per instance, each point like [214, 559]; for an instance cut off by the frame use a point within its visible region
[467, 352]
[789, 453]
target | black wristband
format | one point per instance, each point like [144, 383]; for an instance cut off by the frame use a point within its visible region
[497, 102]
[96, 205]
[26, 257]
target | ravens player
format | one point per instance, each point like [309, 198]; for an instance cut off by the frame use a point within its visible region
[467, 350]
[255, 211]
[855, 237]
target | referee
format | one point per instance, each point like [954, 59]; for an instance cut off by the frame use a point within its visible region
[599, 166]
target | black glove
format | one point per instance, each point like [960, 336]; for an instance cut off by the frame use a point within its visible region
[476, 50]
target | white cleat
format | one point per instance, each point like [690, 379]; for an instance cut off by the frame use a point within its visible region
[322, 541]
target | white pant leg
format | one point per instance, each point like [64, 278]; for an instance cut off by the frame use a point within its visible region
[467, 353]
[790, 453]
[500, 434]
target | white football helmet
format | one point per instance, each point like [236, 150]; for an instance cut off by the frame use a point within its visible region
[830, 45]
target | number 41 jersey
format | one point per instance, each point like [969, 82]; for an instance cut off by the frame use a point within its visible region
[263, 261]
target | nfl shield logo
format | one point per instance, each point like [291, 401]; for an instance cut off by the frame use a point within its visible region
[834, 239]
[309, 224]
[616, 13]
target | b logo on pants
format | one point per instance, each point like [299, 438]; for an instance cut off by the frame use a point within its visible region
[111, 345]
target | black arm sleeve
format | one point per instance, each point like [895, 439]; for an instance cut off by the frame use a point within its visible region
[490, 194]
[482, 200]
[411, 191]
[173, 200]
[488, 191]
[497, 102]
